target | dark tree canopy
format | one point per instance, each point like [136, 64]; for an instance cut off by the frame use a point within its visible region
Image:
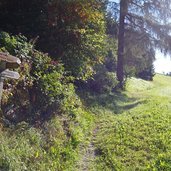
[71, 31]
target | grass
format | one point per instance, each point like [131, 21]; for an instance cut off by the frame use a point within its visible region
[52, 147]
[121, 131]
[138, 136]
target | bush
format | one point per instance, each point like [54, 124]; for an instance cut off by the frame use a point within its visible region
[44, 90]
[147, 74]
[44, 87]
[104, 81]
[52, 90]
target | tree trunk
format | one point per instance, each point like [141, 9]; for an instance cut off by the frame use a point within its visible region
[120, 59]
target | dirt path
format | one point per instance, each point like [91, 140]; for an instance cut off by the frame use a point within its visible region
[89, 154]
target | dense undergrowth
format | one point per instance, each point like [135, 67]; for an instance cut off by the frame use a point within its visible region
[43, 122]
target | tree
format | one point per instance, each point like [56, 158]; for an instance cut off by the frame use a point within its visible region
[140, 53]
[22, 16]
[76, 34]
[147, 18]
[123, 12]
[69, 30]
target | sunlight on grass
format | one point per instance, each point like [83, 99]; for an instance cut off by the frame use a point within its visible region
[135, 84]
[139, 138]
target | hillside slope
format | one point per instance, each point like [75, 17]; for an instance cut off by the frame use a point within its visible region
[133, 129]
[116, 132]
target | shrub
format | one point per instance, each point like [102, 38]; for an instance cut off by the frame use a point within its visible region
[147, 74]
[51, 86]
[44, 87]
[104, 81]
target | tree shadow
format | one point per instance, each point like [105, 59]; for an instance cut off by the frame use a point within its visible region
[117, 102]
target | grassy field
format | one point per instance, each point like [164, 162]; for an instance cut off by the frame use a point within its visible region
[116, 132]
[133, 128]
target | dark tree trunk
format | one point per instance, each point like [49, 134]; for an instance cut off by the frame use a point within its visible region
[120, 60]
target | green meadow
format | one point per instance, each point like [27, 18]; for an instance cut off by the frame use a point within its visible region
[133, 128]
[120, 131]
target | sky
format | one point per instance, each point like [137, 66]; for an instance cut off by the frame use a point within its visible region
[162, 63]
[114, 0]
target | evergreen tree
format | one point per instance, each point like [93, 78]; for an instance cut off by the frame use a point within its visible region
[147, 17]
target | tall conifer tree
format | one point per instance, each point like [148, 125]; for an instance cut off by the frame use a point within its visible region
[149, 18]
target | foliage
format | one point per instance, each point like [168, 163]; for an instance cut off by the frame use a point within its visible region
[168, 74]
[71, 31]
[150, 19]
[140, 54]
[43, 89]
[53, 89]
[103, 81]
[81, 30]
[147, 74]
[23, 17]
[82, 40]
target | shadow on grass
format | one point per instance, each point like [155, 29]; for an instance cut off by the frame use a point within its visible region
[116, 102]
